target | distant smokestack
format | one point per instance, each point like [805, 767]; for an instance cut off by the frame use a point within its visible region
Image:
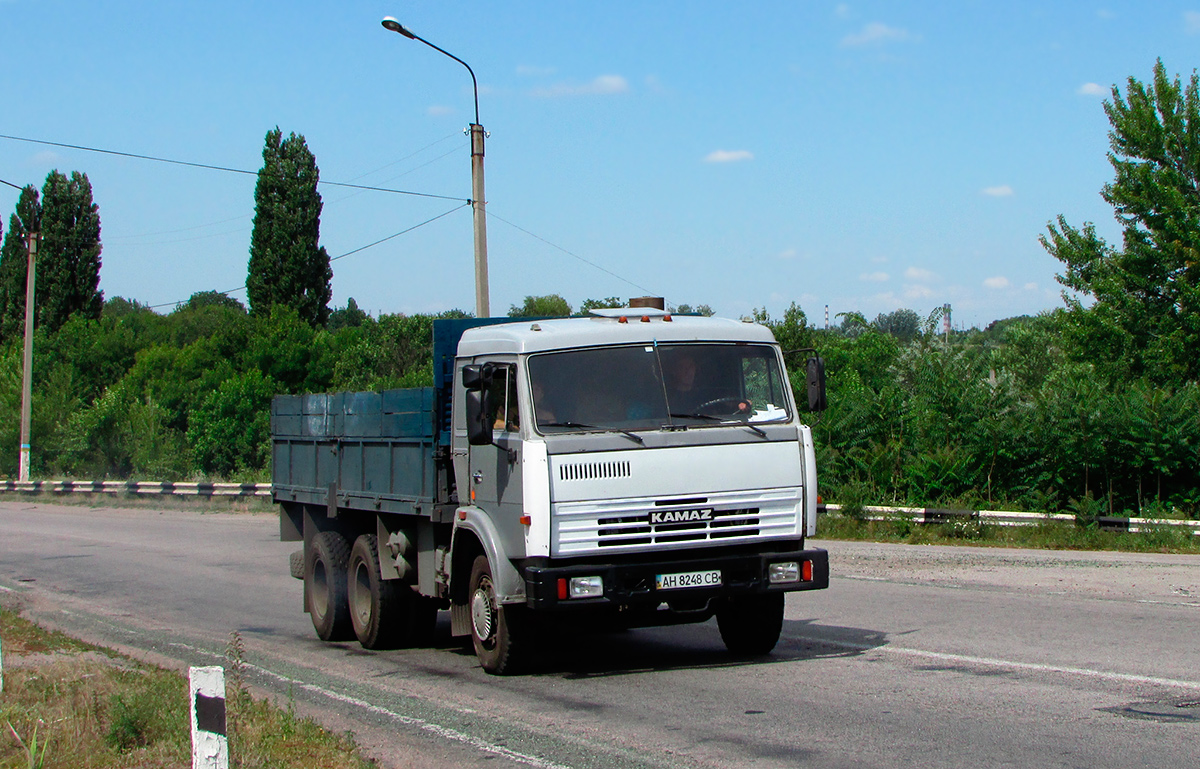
[946, 319]
[826, 317]
[655, 302]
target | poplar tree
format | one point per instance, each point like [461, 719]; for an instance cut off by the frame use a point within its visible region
[1146, 313]
[14, 258]
[68, 261]
[287, 264]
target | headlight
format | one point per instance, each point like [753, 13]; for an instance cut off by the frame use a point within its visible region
[587, 587]
[779, 573]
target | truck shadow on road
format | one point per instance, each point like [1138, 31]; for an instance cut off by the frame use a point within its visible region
[561, 653]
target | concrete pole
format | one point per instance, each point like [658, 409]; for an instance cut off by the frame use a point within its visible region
[27, 379]
[478, 202]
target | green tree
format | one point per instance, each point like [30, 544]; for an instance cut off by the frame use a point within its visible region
[904, 324]
[1147, 292]
[231, 430]
[600, 304]
[550, 306]
[14, 262]
[287, 264]
[68, 262]
[348, 316]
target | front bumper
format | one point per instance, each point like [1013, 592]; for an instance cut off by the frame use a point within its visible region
[633, 584]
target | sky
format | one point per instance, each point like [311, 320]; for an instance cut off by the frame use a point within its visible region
[866, 156]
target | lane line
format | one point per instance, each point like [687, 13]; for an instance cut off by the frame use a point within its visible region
[436, 729]
[1038, 667]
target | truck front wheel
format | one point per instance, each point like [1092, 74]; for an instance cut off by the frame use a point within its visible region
[750, 625]
[497, 631]
[325, 586]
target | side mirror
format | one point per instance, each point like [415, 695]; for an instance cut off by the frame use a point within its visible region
[477, 381]
[477, 377]
[815, 376]
[479, 425]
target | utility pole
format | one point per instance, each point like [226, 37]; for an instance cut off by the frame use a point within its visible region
[27, 378]
[482, 304]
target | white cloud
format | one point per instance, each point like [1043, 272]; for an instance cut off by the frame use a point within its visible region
[917, 292]
[875, 277]
[728, 156]
[998, 281]
[879, 260]
[916, 273]
[604, 85]
[787, 253]
[1092, 89]
[1030, 286]
[45, 158]
[842, 11]
[875, 33]
[999, 191]
[1105, 14]
[1191, 22]
[438, 110]
[526, 70]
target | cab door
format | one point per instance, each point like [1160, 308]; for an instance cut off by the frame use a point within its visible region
[494, 470]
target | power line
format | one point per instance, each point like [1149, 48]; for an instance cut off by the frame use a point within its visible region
[398, 234]
[218, 168]
[10, 184]
[340, 256]
[588, 262]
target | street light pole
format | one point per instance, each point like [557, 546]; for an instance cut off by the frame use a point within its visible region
[478, 201]
[27, 378]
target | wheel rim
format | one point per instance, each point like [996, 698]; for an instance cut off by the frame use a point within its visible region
[483, 612]
[320, 593]
[360, 595]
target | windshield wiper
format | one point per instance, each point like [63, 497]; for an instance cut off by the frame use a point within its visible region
[711, 418]
[581, 426]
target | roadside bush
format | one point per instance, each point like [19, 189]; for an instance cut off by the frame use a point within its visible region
[231, 431]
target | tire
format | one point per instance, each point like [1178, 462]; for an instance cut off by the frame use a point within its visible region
[385, 613]
[750, 625]
[325, 586]
[497, 632]
[375, 603]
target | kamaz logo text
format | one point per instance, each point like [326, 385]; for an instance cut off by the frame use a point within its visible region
[680, 516]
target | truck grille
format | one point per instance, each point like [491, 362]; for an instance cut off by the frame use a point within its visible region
[634, 529]
[636, 525]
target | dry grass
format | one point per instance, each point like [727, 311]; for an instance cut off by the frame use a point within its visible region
[69, 705]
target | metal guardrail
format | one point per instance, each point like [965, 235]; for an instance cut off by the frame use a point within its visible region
[1004, 518]
[139, 487]
[924, 515]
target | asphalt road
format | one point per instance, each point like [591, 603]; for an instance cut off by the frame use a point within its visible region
[915, 656]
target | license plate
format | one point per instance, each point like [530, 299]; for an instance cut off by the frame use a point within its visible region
[687, 579]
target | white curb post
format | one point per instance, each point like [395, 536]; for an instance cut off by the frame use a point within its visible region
[210, 746]
[1, 669]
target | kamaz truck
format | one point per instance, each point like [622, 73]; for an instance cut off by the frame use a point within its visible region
[627, 469]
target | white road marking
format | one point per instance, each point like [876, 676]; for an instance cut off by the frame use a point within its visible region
[1102, 675]
[441, 731]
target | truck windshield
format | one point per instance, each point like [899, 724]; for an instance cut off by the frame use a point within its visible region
[646, 387]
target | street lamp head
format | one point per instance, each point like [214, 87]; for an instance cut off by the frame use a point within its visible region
[392, 23]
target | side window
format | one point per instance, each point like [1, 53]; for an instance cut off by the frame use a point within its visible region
[505, 415]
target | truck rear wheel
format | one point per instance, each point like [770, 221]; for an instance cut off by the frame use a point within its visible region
[375, 603]
[750, 625]
[497, 631]
[385, 613]
[325, 586]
